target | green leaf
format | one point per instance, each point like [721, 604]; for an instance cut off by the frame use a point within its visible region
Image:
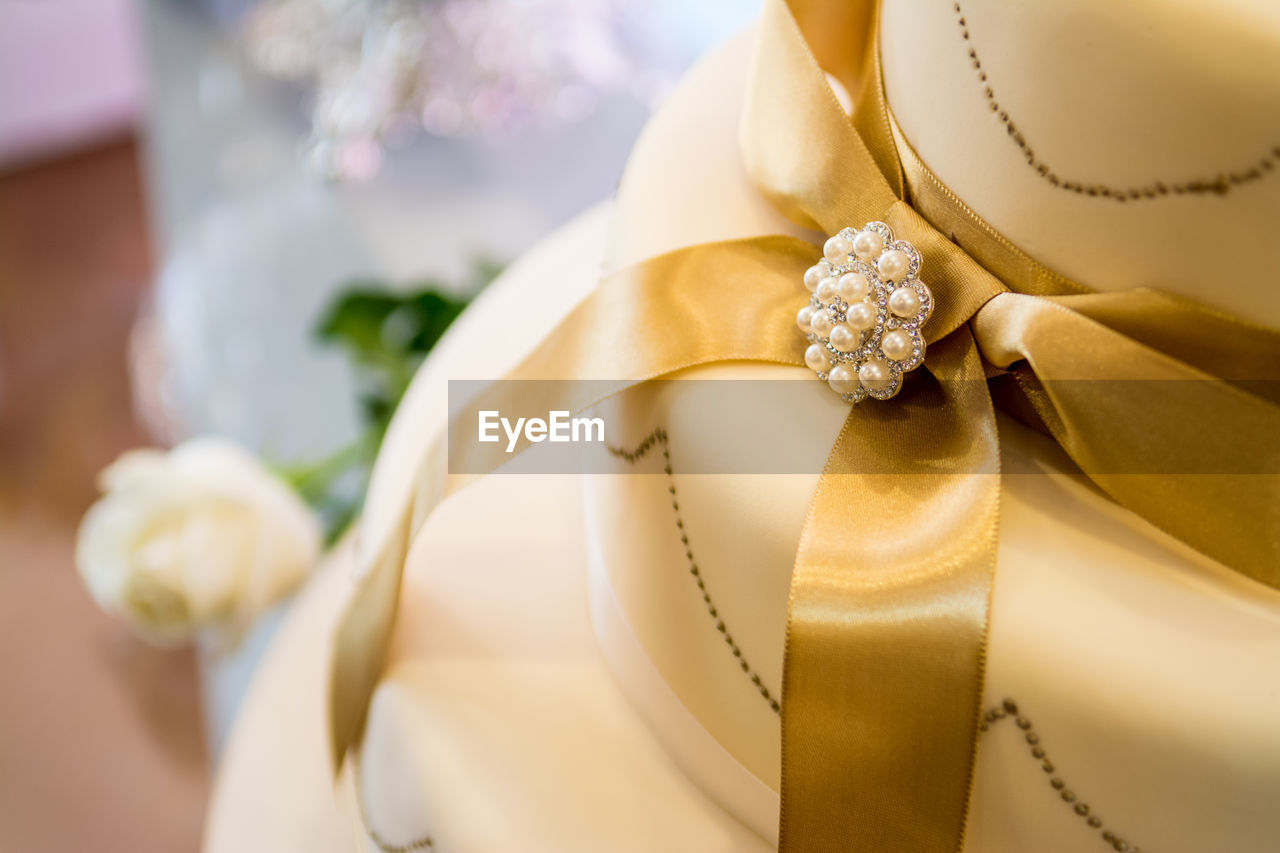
[387, 333]
[356, 319]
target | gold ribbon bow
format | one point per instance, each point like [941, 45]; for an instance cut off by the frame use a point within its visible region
[887, 623]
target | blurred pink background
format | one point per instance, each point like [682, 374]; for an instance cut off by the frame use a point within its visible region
[49, 104]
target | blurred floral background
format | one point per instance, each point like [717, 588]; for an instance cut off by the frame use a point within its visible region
[236, 227]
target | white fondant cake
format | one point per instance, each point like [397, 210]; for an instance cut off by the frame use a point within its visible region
[525, 707]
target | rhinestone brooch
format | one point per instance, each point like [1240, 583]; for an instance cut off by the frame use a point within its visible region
[866, 306]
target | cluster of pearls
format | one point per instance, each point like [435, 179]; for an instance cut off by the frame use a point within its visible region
[864, 314]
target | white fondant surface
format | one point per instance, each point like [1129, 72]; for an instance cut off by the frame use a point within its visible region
[274, 790]
[498, 725]
[1122, 94]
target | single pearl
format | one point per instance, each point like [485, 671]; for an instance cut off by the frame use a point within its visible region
[804, 319]
[837, 249]
[853, 287]
[817, 357]
[897, 345]
[862, 315]
[820, 324]
[875, 375]
[904, 302]
[842, 379]
[827, 290]
[893, 265]
[844, 338]
[867, 244]
[813, 275]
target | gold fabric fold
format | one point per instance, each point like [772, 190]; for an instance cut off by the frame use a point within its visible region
[1193, 454]
[1170, 407]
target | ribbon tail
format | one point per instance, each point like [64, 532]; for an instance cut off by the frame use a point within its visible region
[887, 625]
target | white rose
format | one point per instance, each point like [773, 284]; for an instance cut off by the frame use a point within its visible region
[201, 536]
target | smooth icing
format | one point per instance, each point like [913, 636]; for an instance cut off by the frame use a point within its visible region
[1121, 94]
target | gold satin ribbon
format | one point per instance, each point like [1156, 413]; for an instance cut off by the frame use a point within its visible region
[888, 611]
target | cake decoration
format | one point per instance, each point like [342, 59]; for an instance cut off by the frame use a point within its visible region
[864, 316]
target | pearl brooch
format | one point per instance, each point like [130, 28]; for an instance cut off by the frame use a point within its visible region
[865, 312]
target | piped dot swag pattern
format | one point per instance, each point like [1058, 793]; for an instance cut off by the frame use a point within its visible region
[1219, 184]
[423, 843]
[864, 314]
[1009, 710]
[659, 438]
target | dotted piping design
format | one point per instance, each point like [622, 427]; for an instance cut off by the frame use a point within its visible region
[1220, 184]
[423, 843]
[1009, 710]
[659, 438]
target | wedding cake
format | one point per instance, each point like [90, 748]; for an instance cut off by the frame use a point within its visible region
[598, 663]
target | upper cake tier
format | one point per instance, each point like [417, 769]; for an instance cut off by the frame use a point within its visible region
[1121, 144]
